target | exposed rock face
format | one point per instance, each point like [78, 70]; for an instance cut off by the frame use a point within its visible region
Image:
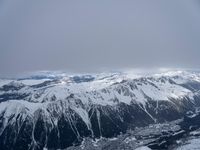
[59, 111]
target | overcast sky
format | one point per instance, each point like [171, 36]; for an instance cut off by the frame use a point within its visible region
[85, 36]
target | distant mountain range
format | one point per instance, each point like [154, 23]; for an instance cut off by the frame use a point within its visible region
[55, 110]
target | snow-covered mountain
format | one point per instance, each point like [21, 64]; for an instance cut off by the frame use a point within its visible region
[56, 110]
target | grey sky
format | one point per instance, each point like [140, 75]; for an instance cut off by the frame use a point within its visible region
[81, 36]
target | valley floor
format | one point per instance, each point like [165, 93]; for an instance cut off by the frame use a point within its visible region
[182, 134]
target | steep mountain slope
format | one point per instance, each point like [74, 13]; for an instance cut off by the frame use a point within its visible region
[181, 134]
[57, 110]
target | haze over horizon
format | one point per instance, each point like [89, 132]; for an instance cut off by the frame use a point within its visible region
[90, 36]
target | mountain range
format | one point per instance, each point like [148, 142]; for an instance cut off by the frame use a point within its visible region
[52, 110]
